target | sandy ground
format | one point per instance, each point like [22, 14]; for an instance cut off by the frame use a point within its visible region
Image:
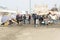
[29, 32]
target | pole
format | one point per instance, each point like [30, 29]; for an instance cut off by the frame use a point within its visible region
[30, 6]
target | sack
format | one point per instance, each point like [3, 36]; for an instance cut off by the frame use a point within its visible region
[43, 22]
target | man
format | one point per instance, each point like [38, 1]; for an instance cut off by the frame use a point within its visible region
[54, 18]
[29, 19]
[34, 18]
[18, 18]
[24, 18]
[40, 19]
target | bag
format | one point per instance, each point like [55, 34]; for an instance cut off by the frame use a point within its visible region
[43, 22]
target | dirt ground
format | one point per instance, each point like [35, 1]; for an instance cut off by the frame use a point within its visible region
[29, 32]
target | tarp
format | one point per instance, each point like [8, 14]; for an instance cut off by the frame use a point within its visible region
[4, 19]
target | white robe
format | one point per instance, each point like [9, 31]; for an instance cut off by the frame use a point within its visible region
[37, 21]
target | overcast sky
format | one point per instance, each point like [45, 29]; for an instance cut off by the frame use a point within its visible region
[24, 4]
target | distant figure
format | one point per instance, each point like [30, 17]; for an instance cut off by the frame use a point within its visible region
[40, 19]
[34, 18]
[29, 19]
[52, 17]
[18, 18]
[37, 21]
[24, 19]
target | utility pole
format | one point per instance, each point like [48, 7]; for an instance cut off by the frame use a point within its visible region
[30, 6]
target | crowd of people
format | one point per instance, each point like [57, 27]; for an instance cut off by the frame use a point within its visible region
[18, 18]
[26, 19]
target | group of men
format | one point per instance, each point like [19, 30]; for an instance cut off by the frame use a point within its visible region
[23, 18]
[26, 18]
[45, 19]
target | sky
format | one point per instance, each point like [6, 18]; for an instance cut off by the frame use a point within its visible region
[24, 4]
